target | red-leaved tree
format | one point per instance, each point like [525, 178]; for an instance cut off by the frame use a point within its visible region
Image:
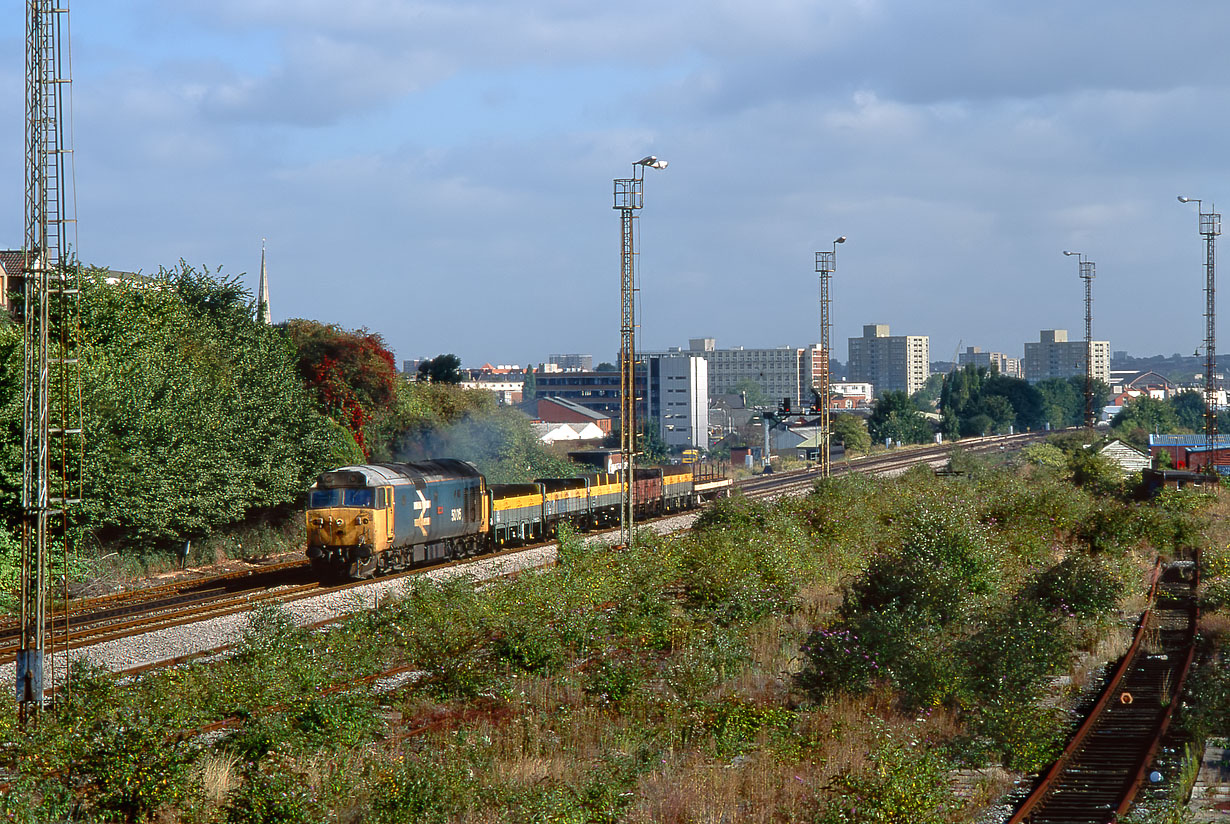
[352, 374]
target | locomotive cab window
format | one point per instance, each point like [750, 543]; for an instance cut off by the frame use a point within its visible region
[358, 497]
[382, 501]
[322, 498]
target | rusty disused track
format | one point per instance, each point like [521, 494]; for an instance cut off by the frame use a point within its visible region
[1098, 775]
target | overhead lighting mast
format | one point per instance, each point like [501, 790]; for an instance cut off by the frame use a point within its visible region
[1087, 274]
[826, 265]
[1210, 228]
[51, 388]
[629, 199]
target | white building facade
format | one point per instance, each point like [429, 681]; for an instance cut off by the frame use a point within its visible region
[679, 398]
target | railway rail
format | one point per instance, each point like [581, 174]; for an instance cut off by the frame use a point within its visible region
[1099, 773]
[97, 620]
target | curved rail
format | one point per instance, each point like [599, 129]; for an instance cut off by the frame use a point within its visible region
[1096, 777]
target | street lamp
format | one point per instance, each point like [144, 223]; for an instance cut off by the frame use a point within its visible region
[826, 265]
[1210, 228]
[629, 199]
[1087, 274]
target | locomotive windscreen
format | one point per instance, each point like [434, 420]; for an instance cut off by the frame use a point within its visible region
[341, 477]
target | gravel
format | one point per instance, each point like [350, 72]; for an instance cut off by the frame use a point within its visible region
[212, 634]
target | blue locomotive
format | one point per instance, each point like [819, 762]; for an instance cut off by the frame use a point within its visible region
[376, 518]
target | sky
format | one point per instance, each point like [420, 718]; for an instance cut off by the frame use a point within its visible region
[441, 172]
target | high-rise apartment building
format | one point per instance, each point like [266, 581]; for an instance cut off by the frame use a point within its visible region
[1006, 366]
[1054, 356]
[889, 362]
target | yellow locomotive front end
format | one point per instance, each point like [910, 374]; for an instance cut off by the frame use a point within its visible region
[349, 521]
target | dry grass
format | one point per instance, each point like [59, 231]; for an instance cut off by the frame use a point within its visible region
[1214, 626]
[758, 790]
[1110, 645]
[217, 775]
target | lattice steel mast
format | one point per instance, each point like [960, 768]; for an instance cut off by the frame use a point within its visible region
[51, 394]
[1087, 274]
[1210, 228]
[826, 265]
[629, 199]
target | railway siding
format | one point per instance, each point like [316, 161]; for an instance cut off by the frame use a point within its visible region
[1108, 758]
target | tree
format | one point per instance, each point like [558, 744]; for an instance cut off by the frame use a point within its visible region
[606, 366]
[195, 414]
[441, 369]
[755, 394]
[895, 416]
[1063, 400]
[1149, 414]
[976, 401]
[1188, 408]
[928, 396]
[654, 451]
[1141, 416]
[1062, 405]
[851, 432]
[529, 389]
[351, 374]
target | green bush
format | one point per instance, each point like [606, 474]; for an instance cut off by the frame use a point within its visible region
[613, 680]
[1015, 650]
[908, 783]
[736, 724]
[1020, 734]
[343, 719]
[835, 660]
[1080, 585]
[271, 794]
[423, 792]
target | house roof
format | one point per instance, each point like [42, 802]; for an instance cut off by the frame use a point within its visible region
[12, 260]
[1117, 445]
[1186, 440]
[573, 406]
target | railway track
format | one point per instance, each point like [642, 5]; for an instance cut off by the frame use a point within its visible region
[93, 621]
[1108, 758]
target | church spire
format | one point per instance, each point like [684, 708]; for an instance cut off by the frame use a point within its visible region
[262, 291]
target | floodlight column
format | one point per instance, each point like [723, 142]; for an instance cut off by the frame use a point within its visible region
[1210, 227]
[1087, 274]
[826, 264]
[629, 199]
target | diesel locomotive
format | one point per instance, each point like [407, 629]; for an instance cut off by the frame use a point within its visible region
[375, 518]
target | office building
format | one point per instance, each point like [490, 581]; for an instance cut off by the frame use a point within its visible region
[782, 372]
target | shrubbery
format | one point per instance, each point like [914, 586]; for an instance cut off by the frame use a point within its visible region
[647, 684]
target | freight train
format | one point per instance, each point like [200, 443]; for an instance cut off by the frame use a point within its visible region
[376, 518]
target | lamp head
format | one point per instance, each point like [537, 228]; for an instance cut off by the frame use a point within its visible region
[1184, 199]
[841, 239]
[651, 161]
[1071, 253]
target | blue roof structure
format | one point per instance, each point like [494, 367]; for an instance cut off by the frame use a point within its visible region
[1187, 440]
